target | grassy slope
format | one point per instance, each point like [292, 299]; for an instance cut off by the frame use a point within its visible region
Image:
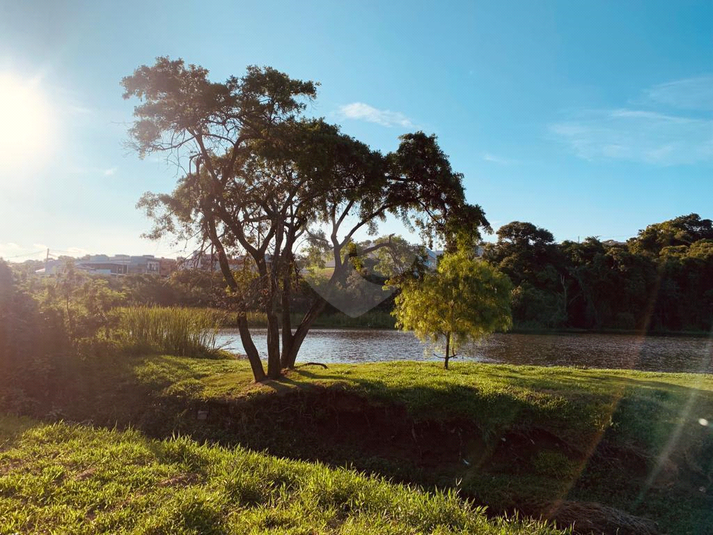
[627, 439]
[71, 479]
[648, 422]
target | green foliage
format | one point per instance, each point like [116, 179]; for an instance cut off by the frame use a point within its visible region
[464, 299]
[536, 307]
[81, 306]
[183, 288]
[19, 319]
[48, 326]
[681, 231]
[522, 251]
[374, 319]
[662, 280]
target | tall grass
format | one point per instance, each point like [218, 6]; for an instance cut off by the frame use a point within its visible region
[186, 332]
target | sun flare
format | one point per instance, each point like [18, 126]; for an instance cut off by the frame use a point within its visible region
[26, 120]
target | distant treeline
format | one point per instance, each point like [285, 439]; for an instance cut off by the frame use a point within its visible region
[661, 280]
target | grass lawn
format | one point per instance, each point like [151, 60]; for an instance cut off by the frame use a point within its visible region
[537, 440]
[62, 478]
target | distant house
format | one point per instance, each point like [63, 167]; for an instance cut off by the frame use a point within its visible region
[614, 243]
[103, 265]
[146, 264]
[55, 267]
[116, 265]
[199, 260]
[432, 258]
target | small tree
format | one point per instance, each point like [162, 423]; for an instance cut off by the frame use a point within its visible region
[464, 299]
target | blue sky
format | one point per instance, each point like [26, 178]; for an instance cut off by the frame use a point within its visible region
[586, 118]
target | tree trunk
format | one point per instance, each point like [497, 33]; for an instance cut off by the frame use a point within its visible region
[287, 337]
[269, 284]
[245, 338]
[448, 350]
[273, 346]
[250, 349]
[289, 357]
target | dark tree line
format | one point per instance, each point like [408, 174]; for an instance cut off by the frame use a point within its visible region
[659, 280]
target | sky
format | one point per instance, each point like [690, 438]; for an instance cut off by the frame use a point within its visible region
[587, 118]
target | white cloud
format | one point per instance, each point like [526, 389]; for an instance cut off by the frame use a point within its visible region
[639, 136]
[80, 110]
[17, 253]
[488, 157]
[657, 134]
[688, 94]
[9, 246]
[37, 251]
[73, 251]
[364, 112]
[105, 171]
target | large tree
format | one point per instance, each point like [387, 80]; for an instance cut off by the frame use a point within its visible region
[259, 178]
[529, 256]
[523, 251]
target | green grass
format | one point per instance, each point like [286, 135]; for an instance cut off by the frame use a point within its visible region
[71, 479]
[628, 431]
[510, 437]
[576, 402]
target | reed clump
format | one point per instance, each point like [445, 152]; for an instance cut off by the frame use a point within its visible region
[186, 332]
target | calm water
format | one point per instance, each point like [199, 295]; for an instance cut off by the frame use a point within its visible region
[654, 353]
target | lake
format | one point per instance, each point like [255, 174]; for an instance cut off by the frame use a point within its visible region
[652, 353]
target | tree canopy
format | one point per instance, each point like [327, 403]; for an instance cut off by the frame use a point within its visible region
[261, 179]
[659, 280]
[464, 299]
[680, 231]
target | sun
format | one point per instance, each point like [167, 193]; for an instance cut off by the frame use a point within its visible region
[26, 123]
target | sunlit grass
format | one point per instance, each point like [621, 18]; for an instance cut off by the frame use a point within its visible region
[650, 416]
[579, 400]
[70, 479]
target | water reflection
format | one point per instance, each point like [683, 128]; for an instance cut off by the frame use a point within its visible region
[653, 353]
